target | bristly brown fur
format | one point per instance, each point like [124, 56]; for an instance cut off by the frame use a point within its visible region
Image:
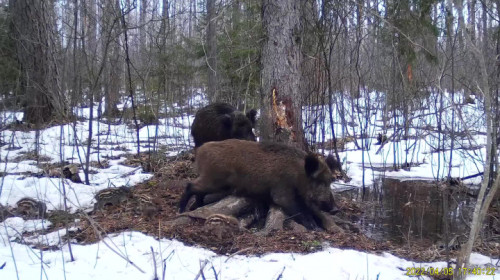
[272, 172]
[220, 121]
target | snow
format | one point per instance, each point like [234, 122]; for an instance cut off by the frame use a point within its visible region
[469, 117]
[14, 227]
[68, 143]
[184, 262]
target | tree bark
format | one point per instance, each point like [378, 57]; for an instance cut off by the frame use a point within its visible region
[91, 22]
[114, 69]
[142, 25]
[471, 6]
[281, 99]
[211, 50]
[35, 52]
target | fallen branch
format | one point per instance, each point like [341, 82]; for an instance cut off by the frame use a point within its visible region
[238, 252]
[472, 176]
[154, 263]
[281, 274]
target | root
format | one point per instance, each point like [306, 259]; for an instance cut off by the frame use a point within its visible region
[248, 212]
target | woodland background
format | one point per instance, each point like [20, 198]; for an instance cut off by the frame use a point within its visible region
[59, 55]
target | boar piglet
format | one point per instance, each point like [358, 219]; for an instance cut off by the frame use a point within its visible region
[282, 175]
[221, 121]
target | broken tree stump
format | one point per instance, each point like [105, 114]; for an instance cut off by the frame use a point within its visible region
[248, 211]
[230, 206]
[274, 221]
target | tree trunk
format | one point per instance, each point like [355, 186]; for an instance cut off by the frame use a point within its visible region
[114, 69]
[484, 199]
[34, 47]
[90, 20]
[142, 25]
[471, 6]
[309, 68]
[281, 117]
[211, 50]
[76, 94]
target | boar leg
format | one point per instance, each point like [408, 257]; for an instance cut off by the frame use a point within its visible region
[292, 205]
[327, 220]
[188, 193]
[185, 198]
[200, 189]
[287, 200]
[198, 202]
[214, 197]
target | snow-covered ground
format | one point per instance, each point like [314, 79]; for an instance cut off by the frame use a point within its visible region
[467, 157]
[98, 261]
[107, 259]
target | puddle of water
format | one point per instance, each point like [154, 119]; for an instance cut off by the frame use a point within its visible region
[401, 210]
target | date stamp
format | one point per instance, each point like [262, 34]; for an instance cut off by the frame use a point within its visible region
[449, 271]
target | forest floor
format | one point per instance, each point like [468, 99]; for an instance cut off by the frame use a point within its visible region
[106, 244]
[167, 186]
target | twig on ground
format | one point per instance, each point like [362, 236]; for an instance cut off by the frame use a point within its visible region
[154, 264]
[238, 252]
[202, 267]
[215, 273]
[281, 274]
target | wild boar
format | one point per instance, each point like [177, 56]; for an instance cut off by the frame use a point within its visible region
[221, 121]
[29, 207]
[276, 173]
[111, 197]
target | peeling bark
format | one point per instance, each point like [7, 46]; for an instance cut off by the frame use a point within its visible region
[281, 98]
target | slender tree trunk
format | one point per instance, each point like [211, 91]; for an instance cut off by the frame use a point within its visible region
[450, 42]
[91, 22]
[130, 84]
[211, 50]
[190, 26]
[142, 25]
[76, 68]
[471, 6]
[484, 199]
[113, 70]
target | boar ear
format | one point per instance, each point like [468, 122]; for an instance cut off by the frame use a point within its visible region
[332, 162]
[226, 120]
[251, 115]
[311, 165]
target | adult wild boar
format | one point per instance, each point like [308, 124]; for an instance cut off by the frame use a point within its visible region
[276, 173]
[221, 121]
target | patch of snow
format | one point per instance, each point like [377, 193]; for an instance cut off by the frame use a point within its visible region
[14, 227]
